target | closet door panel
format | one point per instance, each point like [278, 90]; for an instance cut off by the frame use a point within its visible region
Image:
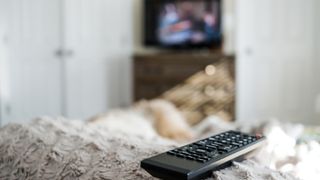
[33, 35]
[277, 67]
[98, 33]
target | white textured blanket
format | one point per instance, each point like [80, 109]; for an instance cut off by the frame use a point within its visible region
[64, 149]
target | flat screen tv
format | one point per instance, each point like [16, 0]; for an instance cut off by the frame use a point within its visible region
[182, 23]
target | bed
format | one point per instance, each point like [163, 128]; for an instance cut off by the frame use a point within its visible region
[49, 148]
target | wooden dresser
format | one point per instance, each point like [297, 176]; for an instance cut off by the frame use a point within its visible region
[156, 74]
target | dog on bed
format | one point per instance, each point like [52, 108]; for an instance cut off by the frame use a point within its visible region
[148, 119]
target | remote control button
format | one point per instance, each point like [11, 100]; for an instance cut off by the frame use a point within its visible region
[190, 158]
[236, 144]
[200, 143]
[175, 151]
[181, 155]
[196, 156]
[185, 153]
[202, 151]
[217, 144]
[211, 146]
[227, 148]
[184, 148]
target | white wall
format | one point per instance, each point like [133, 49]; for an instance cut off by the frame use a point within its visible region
[3, 59]
[100, 34]
[318, 55]
[277, 65]
[229, 26]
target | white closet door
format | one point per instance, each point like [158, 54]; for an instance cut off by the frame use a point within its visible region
[318, 57]
[33, 34]
[277, 72]
[98, 32]
[3, 56]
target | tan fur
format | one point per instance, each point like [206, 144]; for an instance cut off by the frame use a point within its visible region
[165, 118]
[169, 122]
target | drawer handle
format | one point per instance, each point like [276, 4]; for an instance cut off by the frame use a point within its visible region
[210, 70]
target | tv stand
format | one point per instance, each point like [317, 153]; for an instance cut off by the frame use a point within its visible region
[156, 74]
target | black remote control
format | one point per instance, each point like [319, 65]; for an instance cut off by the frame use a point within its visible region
[197, 160]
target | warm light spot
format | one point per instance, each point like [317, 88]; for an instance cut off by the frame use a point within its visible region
[210, 70]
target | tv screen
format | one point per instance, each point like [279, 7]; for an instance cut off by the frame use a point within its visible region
[182, 23]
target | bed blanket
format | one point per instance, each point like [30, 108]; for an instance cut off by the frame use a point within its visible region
[67, 149]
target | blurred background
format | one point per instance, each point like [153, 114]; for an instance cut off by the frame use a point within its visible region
[242, 59]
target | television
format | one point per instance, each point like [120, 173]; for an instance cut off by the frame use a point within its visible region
[182, 23]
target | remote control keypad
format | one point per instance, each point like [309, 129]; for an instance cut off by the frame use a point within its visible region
[214, 146]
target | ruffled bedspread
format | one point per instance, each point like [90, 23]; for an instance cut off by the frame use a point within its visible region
[65, 149]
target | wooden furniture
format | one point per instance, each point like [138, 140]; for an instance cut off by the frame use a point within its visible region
[199, 84]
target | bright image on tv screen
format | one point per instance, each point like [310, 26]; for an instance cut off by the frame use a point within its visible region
[193, 22]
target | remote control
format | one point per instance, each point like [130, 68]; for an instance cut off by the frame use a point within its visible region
[197, 160]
